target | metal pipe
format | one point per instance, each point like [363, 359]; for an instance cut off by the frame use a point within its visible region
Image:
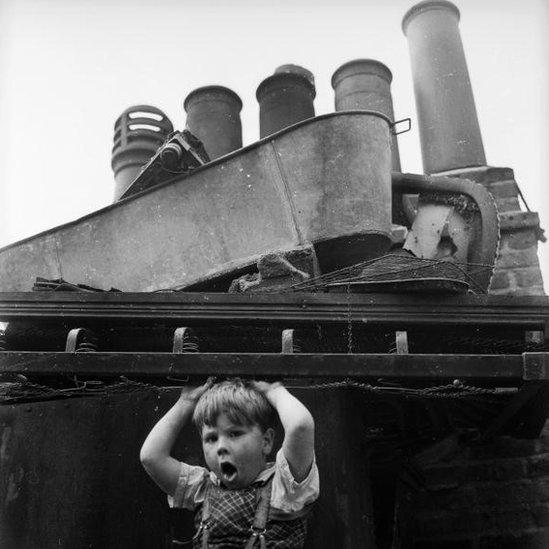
[285, 98]
[448, 124]
[138, 132]
[213, 115]
[483, 253]
[365, 84]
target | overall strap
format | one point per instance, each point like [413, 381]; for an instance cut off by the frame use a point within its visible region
[261, 516]
[204, 527]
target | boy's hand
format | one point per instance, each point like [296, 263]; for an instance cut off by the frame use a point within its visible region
[155, 452]
[299, 427]
[264, 387]
[192, 394]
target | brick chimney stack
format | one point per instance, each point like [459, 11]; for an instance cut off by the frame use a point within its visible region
[451, 142]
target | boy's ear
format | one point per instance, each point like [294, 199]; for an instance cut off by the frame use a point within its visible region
[268, 441]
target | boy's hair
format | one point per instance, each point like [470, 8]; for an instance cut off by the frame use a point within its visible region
[241, 403]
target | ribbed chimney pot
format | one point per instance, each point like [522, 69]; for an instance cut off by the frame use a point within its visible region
[138, 132]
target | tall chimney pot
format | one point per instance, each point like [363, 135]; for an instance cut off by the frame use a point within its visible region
[138, 132]
[365, 84]
[213, 115]
[447, 118]
[285, 98]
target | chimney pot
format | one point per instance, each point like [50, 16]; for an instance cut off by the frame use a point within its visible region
[213, 115]
[365, 84]
[428, 5]
[138, 132]
[296, 69]
[447, 119]
[285, 98]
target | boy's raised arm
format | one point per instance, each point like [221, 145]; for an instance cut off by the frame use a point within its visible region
[299, 427]
[155, 452]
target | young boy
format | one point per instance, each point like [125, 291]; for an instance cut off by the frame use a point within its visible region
[241, 499]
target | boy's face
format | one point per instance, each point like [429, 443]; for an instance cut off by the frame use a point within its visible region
[236, 453]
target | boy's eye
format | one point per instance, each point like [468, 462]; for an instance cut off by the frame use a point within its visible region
[234, 434]
[210, 438]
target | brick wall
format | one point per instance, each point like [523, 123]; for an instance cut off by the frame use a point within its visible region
[493, 494]
[490, 496]
[517, 270]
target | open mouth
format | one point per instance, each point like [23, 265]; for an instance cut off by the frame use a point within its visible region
[228, 471]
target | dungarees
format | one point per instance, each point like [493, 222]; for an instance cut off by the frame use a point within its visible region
[239, 519]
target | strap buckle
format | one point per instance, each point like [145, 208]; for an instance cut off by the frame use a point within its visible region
[257, 534]
[201, 527]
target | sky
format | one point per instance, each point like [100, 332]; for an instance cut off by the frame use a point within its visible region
[68, 68]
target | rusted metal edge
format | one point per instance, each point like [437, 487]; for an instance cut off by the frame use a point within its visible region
[498, 369]
[531, 312]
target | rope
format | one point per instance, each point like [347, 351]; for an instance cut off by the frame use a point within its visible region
[13, 392]
[451, 391]
[20, 391]
[359, 273]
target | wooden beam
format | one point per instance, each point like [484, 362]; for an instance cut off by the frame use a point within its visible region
[183, 309]
[500, 369]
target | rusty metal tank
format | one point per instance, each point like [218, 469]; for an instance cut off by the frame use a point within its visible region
[325, 181]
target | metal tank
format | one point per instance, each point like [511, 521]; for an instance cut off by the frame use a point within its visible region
[292, 189]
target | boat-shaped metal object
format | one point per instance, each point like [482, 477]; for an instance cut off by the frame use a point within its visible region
[324, 182]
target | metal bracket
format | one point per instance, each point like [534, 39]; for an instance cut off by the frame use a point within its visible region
[394, 124]
[81, 340]
[538, 337]
[401, 339]
[535, 366]
[184, 341]
[181, 153]
[525, 394]
[288, 341]
[536, 377]
[3, 340]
